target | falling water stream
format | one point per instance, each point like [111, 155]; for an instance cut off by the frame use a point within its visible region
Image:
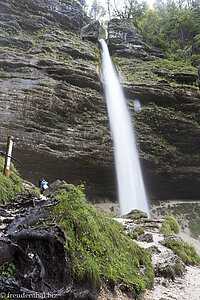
[131, 188]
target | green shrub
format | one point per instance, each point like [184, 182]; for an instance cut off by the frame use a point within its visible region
[98, 246]
[195, 59]
[134, 235]
[170, 225]
[140, 230]
[185, 251]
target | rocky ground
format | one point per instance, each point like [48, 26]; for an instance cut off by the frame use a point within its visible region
[29, 241]
[183, 287]
[186, 287]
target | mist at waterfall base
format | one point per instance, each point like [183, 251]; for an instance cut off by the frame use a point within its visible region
[131, 190]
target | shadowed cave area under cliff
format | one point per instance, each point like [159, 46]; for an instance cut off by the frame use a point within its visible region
[100, 181]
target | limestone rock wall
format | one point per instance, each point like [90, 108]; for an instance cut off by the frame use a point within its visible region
[51, 94]
[52, 102]
[167, 126]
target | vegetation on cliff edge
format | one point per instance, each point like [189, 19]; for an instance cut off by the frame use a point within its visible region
[170, 225]
[98, 245]
[8, 187]
[14, 185]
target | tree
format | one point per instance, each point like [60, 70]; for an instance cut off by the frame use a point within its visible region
[97, 11]
[128, 9]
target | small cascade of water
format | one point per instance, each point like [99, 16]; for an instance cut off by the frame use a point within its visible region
[131, 188]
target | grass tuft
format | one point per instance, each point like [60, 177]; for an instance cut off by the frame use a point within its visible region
[9, 187]
[170, 225]
[185, 251]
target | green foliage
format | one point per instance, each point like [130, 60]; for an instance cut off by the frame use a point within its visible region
[170, 225]
[98, 245]
[134, 235]
[9, 187]
[138, 231]
[185, 251]
[171, 25]
[36, 192]
[6, 270]
[179, 268]
[32, 189]
[189, 212]
[195, 59]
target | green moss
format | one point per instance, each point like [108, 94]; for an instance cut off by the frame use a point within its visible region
[185, 251]
[32, 189]
[150, 72]
[98, 246]
[170, 225]
[9, 187]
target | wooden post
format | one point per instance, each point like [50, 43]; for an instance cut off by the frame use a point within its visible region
[8, 157]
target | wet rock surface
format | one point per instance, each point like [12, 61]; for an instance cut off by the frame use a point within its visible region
[91, 31]
[125, 41]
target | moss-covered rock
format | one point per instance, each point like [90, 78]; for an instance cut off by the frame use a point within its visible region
[9, 187]
[98, 245]
[185, 251]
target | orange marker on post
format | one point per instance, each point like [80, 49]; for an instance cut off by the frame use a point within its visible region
[8, 156]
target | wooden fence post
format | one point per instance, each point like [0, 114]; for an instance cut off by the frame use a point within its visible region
[8, 157]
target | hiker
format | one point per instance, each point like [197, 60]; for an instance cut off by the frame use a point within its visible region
[43, 184]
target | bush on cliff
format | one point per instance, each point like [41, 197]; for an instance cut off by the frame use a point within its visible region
[98, 246]
[170, 225]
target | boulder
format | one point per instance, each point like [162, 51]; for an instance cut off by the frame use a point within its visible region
[135, 214]
[90, 32]
[53, 187]
[146, 237]
[124, 41]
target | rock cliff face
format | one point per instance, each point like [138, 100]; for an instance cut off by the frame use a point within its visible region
[52, 102]
[51, 94]
[167, 126]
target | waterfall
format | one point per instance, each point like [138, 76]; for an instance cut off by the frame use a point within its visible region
[131, 190]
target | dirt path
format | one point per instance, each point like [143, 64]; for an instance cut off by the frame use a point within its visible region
[185, 288]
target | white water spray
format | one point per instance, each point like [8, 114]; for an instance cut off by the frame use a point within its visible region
[129, 177]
